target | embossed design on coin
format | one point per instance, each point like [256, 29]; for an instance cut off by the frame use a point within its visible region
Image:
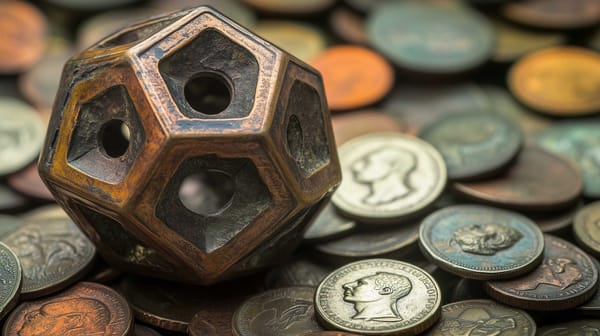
[480, 242]
[572, 328]
[10, 279]
[557, 272]
[482, 317]
[388, 176]
[53, 253]
[378, 297]
[84, 309]
[486, 239]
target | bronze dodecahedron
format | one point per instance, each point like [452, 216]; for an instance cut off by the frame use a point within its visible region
[188, 148]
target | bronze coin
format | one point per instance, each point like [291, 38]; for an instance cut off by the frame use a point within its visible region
[514, 41]
[587, 228]
[554, 14]
[277, 312]
[353, 76]
[348, 26]
[140, 330]
[592, 306]
[566, 278]
[298, 272]
[22, 36]
[571, 328]
[560, 81]
[290, 7]
[537, 181]
[84, 309]
[347, 126]
[29, 183]
[328, 225]
[300, 39]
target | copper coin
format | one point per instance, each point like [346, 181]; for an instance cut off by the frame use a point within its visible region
[571, 328]
[566, 278]
[328, 225]
[348, 26]
[514, 41]
[277, 312]
[296, 272]
[537, 181]
[140, 330]
[347, 126]
[84, 309]
[560, 81]
[587, 228]
[592, 306]
[299, 39]
[290, 7]
[554, 14]
[22, 36]
[353, 76]
[28, 182]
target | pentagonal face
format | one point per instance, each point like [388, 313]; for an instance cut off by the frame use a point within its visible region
[209, 199]
[211, 77]
[108, 136]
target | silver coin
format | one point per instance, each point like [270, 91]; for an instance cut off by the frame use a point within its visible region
[328, 225]
[387, 177]
[10, 273]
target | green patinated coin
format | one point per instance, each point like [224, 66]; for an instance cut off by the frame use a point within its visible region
[428, 39]
[481, 242]
[580, 142]
[474, 144]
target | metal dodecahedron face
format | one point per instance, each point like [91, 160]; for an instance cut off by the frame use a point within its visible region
[190, 149]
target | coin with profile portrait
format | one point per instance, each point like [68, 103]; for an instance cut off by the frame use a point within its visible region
[378, 297]
[480, 242]
[388, 177]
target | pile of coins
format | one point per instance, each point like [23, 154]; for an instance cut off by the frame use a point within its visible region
[469, 137]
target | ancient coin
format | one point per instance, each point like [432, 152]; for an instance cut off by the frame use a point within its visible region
[560, 81]
[21, 135]
[514, 41]
[53, 252]
[480, 242]
[328, 225]
[84, 309]
[388, 177]
[299, 39]
[277, 312]
[554, 14]
[10, 275]
[578, 141]
[586, 227]
[348, 26]
[473, 144]
[297, 272]
[566, 278]
[351, 125]
[39, 84]
[28, 182]
[394, 242]
[353, 76]
[140, 330]
[23, 31]
[483, 317]
[431, 39]
[379, 297]
[290, 7]
[9, 224]
[537, 181]
[571, 328]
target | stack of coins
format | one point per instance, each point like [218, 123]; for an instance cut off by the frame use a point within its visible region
[469, 137]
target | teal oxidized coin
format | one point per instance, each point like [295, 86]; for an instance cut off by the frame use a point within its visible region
[474, 144]
[481, 242]
[580, 142]
[429, 39]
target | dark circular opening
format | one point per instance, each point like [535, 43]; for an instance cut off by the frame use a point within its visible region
[207, 192]
[208, 93]
[294, 137]
[114, 138]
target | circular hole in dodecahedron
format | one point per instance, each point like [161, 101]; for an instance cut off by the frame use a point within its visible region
[208, 93]
[114, 138]
[207, 192]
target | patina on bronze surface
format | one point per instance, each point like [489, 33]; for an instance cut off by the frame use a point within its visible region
[482, 317]
[481, 242]
[586, 227]
[188, 148]
[84, 309]
[566, 278]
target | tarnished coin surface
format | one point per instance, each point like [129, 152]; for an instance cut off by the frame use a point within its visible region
[572, 328]
[347, 126]
[580, 142]
[481, 242]
[328, 225]
[482, 317]
[537, 181]
[388, 177]
[474, 144]
[277, 312]
[21, 135]
[586, 227]
[566, 278]
[379, 297]
[559, 81]
[53, 253]
[85, 309]
[554, 14]
[431, 39]
[11, 275]
[299, 39]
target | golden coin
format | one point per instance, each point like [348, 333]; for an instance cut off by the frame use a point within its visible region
[561, 81]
